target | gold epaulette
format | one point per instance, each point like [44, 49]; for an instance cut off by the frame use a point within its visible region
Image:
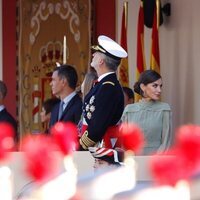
[85, 141]
[108, 82]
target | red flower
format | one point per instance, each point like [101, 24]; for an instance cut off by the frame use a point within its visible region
[6, 140]
[186, 160]
[168, 168]
[132, 137]
[188, 143]
[65, 136]
[41, 161]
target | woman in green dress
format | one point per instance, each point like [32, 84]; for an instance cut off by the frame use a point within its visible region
[152, 115]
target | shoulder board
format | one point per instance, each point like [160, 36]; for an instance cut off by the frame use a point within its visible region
[108, 82]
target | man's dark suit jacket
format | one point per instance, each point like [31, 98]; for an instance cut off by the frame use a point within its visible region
[72, 112]
[5, 116]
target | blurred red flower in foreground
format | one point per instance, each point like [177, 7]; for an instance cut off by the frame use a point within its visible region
[168, 168]
[132, 137]
[188, 143]
[6, 140]
[183, 161]
[40, 157]
[65, 136]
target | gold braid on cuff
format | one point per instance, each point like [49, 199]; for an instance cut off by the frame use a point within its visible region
[85, 141]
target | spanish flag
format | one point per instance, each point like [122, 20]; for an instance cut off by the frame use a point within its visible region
[123, 69]
[141, 64]
[155, 54]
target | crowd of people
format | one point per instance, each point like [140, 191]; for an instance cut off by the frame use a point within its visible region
[104, 104]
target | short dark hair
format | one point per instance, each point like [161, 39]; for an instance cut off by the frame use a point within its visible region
[146, 77]
[49, 104]
[69, 73]
[129, 92]
[3, 89]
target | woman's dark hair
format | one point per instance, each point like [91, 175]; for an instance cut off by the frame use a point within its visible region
[146, 77]
[129, 92]
[3, 89]
[49, 104]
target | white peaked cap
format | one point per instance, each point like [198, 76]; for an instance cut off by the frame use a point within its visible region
[110, 47]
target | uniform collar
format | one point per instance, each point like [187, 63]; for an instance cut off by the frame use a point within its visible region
[104, 75]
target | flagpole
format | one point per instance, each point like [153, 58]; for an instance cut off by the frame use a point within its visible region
[158, 12]
[64, 50]
[126, 14]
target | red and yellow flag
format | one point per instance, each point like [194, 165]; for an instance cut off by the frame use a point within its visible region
[155, 54]
[123, 69]
[141, 64]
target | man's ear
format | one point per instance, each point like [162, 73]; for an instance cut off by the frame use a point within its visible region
[64, 81]
[101, 61]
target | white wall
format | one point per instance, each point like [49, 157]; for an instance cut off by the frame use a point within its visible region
[179, 56]
[83, 161]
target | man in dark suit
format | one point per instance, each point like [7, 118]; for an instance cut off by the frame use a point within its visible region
[63, 84]
[5, 116]
[103, 105]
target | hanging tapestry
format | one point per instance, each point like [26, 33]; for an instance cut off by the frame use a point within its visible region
[42, 28]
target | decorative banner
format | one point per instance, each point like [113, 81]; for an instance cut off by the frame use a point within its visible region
[123, 68]
[141, 63]
[42, 27]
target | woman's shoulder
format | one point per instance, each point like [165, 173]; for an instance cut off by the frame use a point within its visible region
[133, 107]
[156, 106]
[162, 106]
